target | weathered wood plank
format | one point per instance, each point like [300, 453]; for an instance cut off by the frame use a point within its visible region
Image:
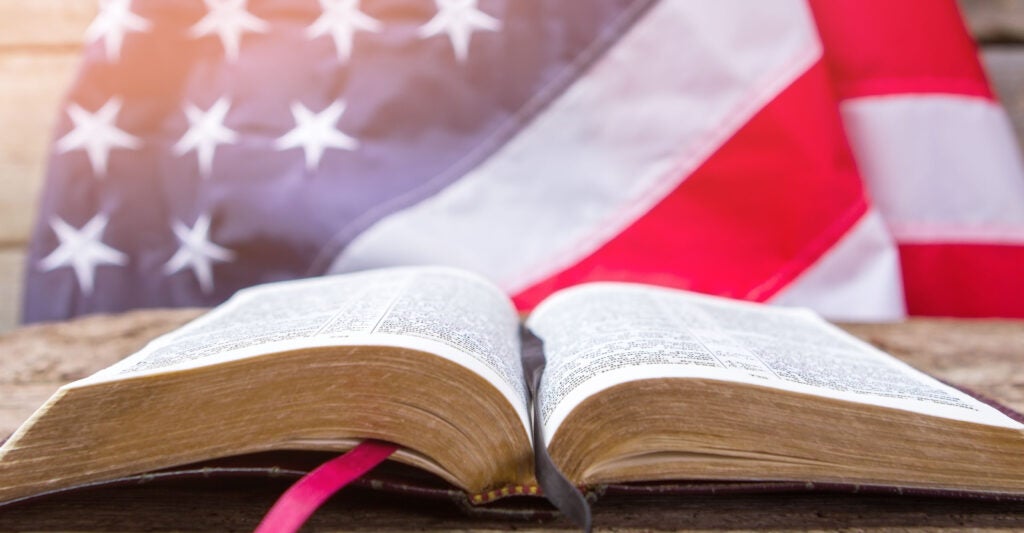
[12, 268]
[44, 23]
[35, 360]
[1005, 65]
[31, 88]
[995, 20]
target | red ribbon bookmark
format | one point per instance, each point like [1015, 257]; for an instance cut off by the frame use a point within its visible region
[296, 505]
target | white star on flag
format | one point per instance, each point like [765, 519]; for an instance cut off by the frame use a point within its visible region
[315, 132]
[459, 19]
[113, 21]
[82, 250]
[197, 252]
[228, 19]
[205, 131]
[97, 135]
[341, 19]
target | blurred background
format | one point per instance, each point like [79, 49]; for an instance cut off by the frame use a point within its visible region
[40, 45]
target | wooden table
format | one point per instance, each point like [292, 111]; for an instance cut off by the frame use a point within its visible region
[985, 356]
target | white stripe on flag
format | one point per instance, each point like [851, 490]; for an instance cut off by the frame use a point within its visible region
[858, 279]
[940, 168]
[662, 100]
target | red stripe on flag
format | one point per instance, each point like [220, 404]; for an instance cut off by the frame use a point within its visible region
[964, 280]
[877, 47]
[756, 214]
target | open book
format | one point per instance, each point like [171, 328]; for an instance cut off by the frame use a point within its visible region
[642, 384]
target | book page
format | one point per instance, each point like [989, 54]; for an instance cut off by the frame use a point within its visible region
[599, 335]
[444, 311]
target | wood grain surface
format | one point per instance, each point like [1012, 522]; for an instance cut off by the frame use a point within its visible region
[986, 356]
[31, 87]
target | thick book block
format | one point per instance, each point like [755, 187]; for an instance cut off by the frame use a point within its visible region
[645, 389]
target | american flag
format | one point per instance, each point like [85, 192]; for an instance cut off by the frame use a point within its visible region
[847, 155]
